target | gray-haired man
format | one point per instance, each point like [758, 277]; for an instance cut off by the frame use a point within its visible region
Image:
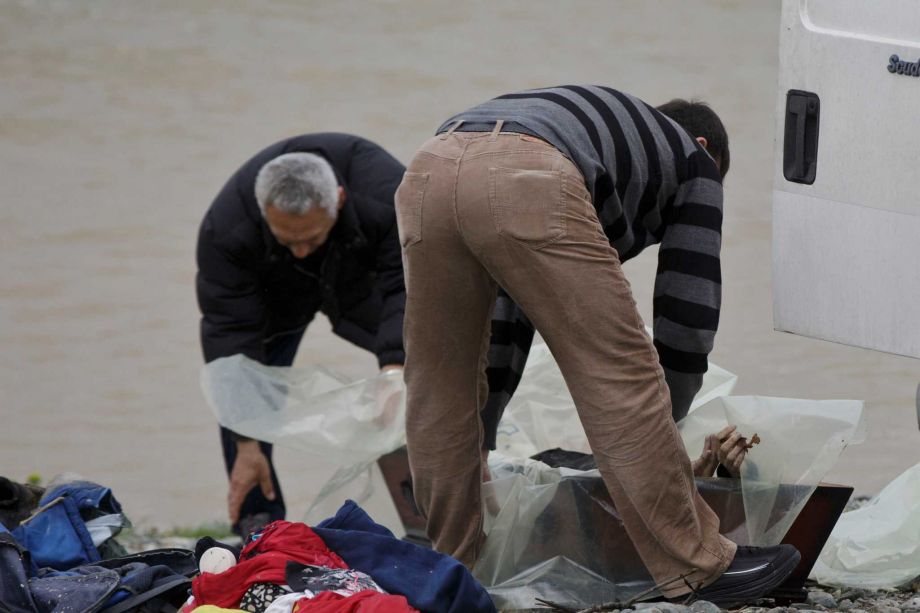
[305, 226]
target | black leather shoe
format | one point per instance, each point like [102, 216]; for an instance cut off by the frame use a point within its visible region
[753, 574]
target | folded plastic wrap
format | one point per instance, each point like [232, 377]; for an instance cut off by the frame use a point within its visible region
[308, 408]
[878, 545]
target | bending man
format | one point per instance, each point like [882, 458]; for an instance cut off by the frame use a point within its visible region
[305, 226]
[544, 193]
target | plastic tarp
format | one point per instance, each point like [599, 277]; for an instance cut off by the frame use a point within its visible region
[323, 415]
[801, 440]
[878, 545]
[354, 423]
[550, 531]
[309, 409]
[531, 508]
[554, 534]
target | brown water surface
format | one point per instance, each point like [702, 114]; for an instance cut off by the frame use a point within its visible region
[119, 121]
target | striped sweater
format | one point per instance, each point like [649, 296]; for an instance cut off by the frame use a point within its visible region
[651, 184]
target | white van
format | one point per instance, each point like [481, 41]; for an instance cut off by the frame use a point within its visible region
[846, 187]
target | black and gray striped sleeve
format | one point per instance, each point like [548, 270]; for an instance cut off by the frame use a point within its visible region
[688, 285]
[512, 335]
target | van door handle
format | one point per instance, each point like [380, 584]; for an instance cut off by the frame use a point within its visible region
[800, 141]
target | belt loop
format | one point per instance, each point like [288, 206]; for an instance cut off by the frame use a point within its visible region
[497, 129]
[452, 129]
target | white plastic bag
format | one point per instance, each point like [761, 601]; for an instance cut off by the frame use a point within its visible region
[877, 546]
[309, 408]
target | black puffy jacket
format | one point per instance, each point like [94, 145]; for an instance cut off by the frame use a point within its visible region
[250, 288]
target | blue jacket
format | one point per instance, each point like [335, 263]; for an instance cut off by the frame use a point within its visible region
[430, 581]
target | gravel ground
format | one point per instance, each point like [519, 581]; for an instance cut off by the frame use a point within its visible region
[820, 598]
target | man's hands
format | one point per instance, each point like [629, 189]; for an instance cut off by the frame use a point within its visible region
[733, 450]
[727, 447]
[249, 470]
[708, 462]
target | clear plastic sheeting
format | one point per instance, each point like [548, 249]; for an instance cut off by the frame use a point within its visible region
[309, 409]
[800, 441]
[551, 529]
[878, 545]
[558, 580]
[541, 415]
[553, 533]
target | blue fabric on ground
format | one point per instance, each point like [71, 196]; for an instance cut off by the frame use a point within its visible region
[430, 581]
[86, 495]
[138, 578]
[57, 538]
[81, 589]
[94, 587]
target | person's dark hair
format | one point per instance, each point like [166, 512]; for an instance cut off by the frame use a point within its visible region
[698, 119]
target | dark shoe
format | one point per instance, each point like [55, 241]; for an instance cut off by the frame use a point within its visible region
[249, 524]
[753, 574]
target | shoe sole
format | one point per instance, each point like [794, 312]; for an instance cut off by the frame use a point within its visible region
[731, 597]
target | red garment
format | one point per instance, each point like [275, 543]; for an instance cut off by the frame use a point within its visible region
[368, 601]
[263, 561]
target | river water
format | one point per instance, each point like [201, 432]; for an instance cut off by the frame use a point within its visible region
[119, 121]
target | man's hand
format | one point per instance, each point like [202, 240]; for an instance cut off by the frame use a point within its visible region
[249, 470]
[708, 461]
[732, 449]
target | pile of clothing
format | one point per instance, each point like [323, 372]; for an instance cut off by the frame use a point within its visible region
[58, 554]
[346, 564]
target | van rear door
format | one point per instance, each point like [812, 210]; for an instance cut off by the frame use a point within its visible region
[846, 187]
